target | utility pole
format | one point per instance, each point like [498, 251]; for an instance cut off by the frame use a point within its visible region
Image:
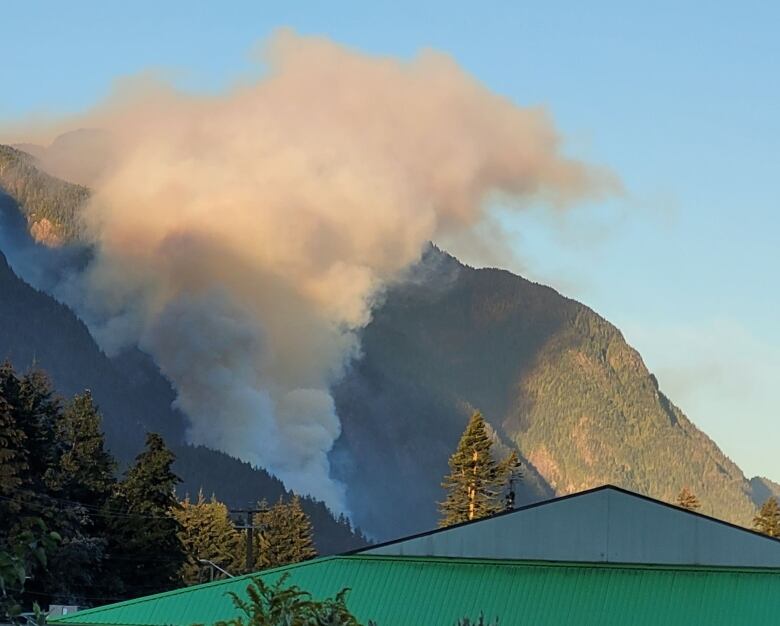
[249, 527]
[250, 544]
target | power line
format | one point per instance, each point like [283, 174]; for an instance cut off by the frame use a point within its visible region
[74, 504]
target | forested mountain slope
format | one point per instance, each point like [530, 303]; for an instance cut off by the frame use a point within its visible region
[37, 331]
[553, 378]
[549, 374]
[51, 206]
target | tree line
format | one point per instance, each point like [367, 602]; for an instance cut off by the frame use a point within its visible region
[73, 532]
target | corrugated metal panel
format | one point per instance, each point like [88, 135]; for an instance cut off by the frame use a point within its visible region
[407, 591]
[605, 524]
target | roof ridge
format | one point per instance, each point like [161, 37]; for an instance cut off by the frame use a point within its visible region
[460, 560]
[568, 496]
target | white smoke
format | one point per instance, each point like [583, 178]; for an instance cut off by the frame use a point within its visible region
[241, 237]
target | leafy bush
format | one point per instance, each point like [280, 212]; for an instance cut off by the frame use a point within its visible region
[282, 605]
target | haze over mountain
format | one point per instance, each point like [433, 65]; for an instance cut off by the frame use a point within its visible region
[553, 378]
[38, 331]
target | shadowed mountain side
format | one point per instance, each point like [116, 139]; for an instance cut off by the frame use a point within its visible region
[448, 340]
[239, 485]
[36, 330]
[552, 377]
[763, 488]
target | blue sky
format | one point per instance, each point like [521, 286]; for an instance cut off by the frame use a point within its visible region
[680, 101]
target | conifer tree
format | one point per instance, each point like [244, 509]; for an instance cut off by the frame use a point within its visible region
[284, 534]
[302, 534]
[31, 414]
[271, 536]
[477, 483]
[13, 461]
[207, 533]
[768, 519]
[145, 549]
[53, 485]
[86, 471]
[41, 411]
[81, 482]
[686, 499]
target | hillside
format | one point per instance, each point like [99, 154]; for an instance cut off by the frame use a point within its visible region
[553, 378]
[549, 374]
[38, 331]
[50, 205]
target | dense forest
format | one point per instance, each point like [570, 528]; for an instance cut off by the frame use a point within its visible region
[51, 206]
[74, 532]
[36, 330]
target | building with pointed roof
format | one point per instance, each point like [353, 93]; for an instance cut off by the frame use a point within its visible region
[604, 556]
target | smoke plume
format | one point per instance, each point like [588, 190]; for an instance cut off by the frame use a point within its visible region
[241, 238]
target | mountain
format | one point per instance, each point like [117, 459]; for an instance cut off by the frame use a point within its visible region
[555, 380]
[37, 331]
[51, 206]
[241, 486]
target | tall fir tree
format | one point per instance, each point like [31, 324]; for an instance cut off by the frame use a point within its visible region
[686, 499]
[207, 533]
[302, 533]
[48, 439]
[86, 470]
[42, 411]
[145, 550]
[31, 412]
[83, 480]
[284, 534]
[768, 519]
[477, 485]
[270, 535]
[13, 459]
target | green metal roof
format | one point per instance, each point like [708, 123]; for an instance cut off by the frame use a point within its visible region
[409, 591]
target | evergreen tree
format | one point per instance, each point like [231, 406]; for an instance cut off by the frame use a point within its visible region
[768, 519]
[302, 534]
[145, 549]
[82, 482]
[47, 485]
[41, 411]
[477, 483]
[270, 535]
[30, 414]
[284, 535]
[686, 499]
[13, 461]
[30, 404]
[207, 533]
[86, 471]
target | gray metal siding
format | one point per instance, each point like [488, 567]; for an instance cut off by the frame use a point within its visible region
[607, 525]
